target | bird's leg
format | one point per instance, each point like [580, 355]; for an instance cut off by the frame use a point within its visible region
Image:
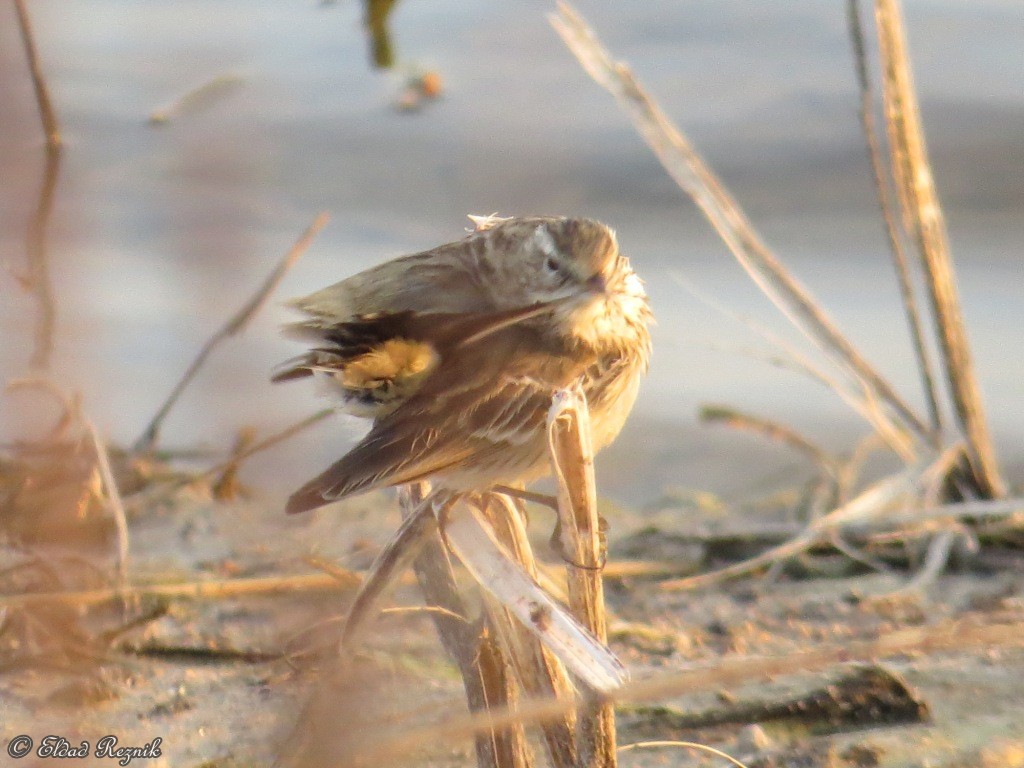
[551, 502]
[555, 541]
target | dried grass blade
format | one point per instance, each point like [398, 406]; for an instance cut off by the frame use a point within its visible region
[116, 504]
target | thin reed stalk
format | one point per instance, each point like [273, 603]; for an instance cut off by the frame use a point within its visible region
[572, 456]
[923, 213]
[885, 205]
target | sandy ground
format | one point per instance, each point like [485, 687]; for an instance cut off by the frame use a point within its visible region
[247, 680]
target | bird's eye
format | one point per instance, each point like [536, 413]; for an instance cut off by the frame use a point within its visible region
[551, 265]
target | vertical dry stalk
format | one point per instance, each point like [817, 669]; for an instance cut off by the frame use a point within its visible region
[46, 113]
[540, 672]
[572, 455]
[480, 660]
[38, 278]
[892, 229]
[923, 215]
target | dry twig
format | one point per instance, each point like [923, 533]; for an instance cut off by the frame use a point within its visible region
[234, 326]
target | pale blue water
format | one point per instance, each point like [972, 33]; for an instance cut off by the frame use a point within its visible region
[160, 233]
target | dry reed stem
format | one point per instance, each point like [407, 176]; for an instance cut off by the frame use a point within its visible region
[235, 325]
[193, 590]
[960, 635]
[572, 457]
[694, 177]
[540, 672]
[482, 680]
[866, 506]
[923, 214]
[892, 230]
[38, 278]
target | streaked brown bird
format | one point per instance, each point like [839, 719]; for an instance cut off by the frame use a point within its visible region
[455, 353]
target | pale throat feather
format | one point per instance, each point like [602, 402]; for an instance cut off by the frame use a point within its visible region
[615, 322]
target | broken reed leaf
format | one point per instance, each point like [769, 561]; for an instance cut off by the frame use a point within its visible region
[469, 537]
[693, 175]
[397, 554]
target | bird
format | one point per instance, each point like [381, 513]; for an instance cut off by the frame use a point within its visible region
[455, 354]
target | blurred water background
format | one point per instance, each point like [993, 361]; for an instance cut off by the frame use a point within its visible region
[161, 231]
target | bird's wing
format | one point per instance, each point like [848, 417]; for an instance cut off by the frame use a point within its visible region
[479, 273]
[444, 279]
[485, 399]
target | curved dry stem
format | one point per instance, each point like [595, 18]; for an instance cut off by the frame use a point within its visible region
[693, 176]
[684, 745]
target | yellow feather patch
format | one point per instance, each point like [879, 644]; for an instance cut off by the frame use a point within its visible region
[396, 361]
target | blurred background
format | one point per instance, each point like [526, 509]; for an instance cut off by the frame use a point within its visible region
[163, 228]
